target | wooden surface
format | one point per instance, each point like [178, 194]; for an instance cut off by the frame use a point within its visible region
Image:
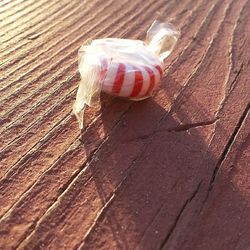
[171, 172]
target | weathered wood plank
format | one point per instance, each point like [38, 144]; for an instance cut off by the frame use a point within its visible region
[148, 175]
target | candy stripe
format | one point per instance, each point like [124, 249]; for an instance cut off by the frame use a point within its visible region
[128, 82]
[119, 79]
[159, 70]
[110, 78]
[146, 81]
[138, 83]
[152, 80]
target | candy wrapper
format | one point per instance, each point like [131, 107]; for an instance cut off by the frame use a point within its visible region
[122, 67]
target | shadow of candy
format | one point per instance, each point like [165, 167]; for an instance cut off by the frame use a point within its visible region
[152, 171]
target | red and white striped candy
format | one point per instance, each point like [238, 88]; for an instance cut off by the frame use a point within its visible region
[123, 67]
[129, 69]
[131, 80]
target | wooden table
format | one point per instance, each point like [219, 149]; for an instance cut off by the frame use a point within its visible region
[171, 172]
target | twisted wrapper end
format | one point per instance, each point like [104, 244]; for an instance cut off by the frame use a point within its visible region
[89, 89]
[161, 39]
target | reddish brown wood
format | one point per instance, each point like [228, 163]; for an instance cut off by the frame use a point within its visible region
[170, 172]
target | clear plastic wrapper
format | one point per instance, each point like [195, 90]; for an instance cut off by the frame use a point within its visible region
[122, 67]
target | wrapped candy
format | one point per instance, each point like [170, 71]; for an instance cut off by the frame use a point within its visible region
[122, 67]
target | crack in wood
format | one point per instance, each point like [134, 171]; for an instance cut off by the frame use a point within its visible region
[179, 128]
[230, 54]
[226, 150]
[185, 127]
[189, 200]
[233, 83]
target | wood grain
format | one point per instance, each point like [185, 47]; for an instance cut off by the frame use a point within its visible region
[170, 172]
